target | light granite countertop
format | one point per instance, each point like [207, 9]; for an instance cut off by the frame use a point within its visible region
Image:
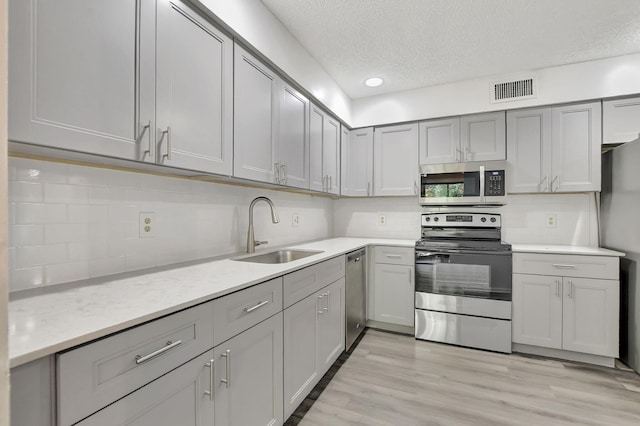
[48, 322]
[43, 323]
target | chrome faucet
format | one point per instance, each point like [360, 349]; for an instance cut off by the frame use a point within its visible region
[251, 242]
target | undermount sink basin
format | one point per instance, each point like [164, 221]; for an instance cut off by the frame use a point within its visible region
[280, 256]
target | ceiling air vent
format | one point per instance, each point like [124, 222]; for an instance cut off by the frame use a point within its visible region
[513, 90]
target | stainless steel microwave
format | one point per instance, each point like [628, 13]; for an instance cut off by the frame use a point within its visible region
[472, 184]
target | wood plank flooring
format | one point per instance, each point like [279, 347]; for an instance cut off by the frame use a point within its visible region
[392, 379]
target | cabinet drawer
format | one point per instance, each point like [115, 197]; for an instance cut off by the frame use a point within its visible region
[241, 310]
[302, 283]
[605, 267]
[394, 255]
[95, 375]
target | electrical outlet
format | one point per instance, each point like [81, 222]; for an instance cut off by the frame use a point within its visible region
[551, 220]
[147, 225]
[382, 220]
[295, 220]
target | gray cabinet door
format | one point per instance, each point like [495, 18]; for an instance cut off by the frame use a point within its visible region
[620, 120]
[482, 137]
[255, 119]
[395, 160]
[331, 154]
[301, 351]
[194, 91]
[81, 76]
[248, 376]
[33, 397]
[316, 132]
[529, 150]
[577, 140]
[356, 177]
[439, 141]
[293, 145]
[181, 397]
[332, 326]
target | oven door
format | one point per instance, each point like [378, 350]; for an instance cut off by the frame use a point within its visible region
[479, 274]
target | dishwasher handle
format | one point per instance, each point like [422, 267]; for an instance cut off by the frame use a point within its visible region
[356, 256]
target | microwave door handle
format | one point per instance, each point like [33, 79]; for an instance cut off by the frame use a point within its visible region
[482, 184]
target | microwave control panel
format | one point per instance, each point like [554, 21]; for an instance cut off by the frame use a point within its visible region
[494, 183]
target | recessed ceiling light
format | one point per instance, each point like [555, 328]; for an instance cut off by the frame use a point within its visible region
[373, 81]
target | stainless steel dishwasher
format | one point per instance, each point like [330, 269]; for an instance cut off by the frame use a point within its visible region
[355, 294]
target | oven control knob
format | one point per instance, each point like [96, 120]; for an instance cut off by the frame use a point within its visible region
[493, 219]
[428, 219]
[436, 219]
[483, 219]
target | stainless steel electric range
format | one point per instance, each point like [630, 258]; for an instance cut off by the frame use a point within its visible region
[463, 281]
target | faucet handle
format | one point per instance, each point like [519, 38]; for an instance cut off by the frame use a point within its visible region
[259, 243]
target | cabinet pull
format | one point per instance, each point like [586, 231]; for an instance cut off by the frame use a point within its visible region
[563, 266]
[210, 364]
[146, 128]
[394, 256]
[170, 345]
[259, 305]
[330, 184]
[467, 154]
[558, 288]
[276, 172]
[168, 133]
[321, 311]
[227, 355]
[326, 302]
[284, 173]
[415, 187]
[368, 189]
[543, 186]
[458, 154]
[570, 290]
[555, 179]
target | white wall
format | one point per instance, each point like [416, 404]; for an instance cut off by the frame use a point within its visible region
[587, 80]
[70, 222]
[523, 218]
[252, 21]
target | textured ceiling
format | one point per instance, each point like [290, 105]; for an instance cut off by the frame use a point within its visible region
[418, 43]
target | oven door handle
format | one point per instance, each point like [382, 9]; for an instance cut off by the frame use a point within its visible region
[427, 257]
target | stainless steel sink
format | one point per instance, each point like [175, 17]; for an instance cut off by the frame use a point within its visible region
[280, 256]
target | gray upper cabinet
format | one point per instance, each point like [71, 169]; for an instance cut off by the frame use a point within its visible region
[482, 137]
[293, 144]
[554, 149]
[81, 75]
[395, 160]
[439, 141]
[194, 91]
[477, 137]
[620, 120]
[356, 177]
[255, 119]
[324, 142]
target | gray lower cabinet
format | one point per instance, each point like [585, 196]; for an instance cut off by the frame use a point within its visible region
[181, 397]
[32, 393]
[313, 339]
[248, 376]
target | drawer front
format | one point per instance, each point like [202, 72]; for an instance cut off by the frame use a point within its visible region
[605, 267]
[241, 310]
[302, 283]
[394, 255]
[93, 376]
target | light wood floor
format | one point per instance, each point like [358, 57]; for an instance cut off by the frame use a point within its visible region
[396, 380]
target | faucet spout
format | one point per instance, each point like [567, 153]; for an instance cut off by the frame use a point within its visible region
[251, 242]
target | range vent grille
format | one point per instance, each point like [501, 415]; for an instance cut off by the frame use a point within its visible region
[513, 90]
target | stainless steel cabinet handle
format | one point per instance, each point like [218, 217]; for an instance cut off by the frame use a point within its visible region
[558, 288]
[168, 133]
[276, 172]
[330, 178]
[210, 364]
[284, 173]
[394, 256]
[555, 179]
[326, 302]
[570, 290]
[357, 259]
[467, 153]
[170, 345]
[321, 311]
[227, 355]
[259, 305]
[146, 128]
[543, 185]
[415, 187]
[458, 152]
[324, 184]
[368, 188]
[563, 266]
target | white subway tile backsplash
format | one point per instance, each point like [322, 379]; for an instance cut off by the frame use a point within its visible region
[65, 233]
[39, 171]
[32, 213]
[105, 195]
[66, 272]
[94, 176]
[165, 184]
[62, 193]
[84, 213]
[26, 192]
[107, 266]
[40, 255]
[137, 261]
[87, 251]
[26, 278]
[141, 195]
[125, 179]
[26, 235]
